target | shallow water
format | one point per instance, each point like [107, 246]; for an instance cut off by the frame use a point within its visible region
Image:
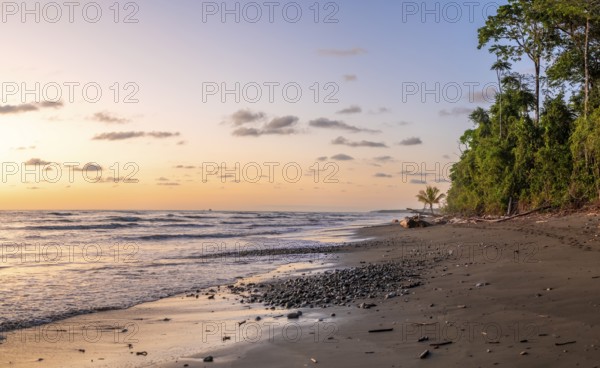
[57, 264]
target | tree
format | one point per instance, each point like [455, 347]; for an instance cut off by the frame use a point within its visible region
[511, 161]
[575, 20]
[516, 30]
[430, 196]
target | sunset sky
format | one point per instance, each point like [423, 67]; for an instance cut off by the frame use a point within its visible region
[159, 124]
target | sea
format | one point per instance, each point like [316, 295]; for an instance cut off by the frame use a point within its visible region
[57, 264]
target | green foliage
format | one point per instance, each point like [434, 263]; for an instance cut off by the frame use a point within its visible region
[511, 161]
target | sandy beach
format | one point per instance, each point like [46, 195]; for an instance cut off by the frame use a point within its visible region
[521, 293]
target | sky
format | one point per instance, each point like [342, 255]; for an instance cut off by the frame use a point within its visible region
[191, 105]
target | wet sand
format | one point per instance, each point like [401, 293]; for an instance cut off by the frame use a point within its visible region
[522, 293]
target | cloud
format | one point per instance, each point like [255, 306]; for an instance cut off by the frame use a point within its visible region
[50, 104]
[342, 157]
[86, 168]
[277, 126]
[181, 143]
[457, 111]
[383, 175]
[384, 159]
[397, 124]
[108, 118]
[37, 161]
[118, 180]
[411, 141]
[281, 123]
[242, 117]
[342, 52]
[119, 136]
[28, 107]
[447, 157]
[188, 167]
[24, 148]
[345, 142]
[350, 77]
[337, 124]
[168, 184]
[11, 109]
[322, 158]
[417, 181]
[246, 132]
[161, 135]
[381, 110]
[354, 109]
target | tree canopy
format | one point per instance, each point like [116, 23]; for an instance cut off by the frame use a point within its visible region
[535, 146]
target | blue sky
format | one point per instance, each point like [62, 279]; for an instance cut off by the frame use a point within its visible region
[367, 58]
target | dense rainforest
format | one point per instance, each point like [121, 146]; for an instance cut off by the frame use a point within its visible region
[539, 142]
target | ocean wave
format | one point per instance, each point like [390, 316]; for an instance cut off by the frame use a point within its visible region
[195, 226]
[60, 213]
[144, 219]
[273, 216]
[155, 237]
[80, 227]
[199, 217]
[125, 218]
[289, 226]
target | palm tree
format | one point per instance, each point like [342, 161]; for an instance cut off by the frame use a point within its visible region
[430, 196]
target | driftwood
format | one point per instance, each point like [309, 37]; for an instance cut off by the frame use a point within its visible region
[512, 217]
[413, 222]
[438, 344]
[423, 212]
[381, 330]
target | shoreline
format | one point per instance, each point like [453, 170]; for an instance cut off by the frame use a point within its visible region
[511, 293]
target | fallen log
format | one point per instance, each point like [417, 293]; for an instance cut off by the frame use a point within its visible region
[510, 217]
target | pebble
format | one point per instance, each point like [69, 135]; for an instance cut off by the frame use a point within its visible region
[340, 287]
[294, 315]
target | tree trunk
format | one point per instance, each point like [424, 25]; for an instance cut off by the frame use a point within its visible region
[587, 71]
[431, 207]
[500, 91]
[537, 92]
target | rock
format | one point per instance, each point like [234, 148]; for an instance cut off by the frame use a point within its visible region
[424, 354]
[208, 359]
[294, 315]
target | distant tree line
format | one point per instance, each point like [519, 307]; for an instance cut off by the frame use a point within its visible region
[539, 143]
